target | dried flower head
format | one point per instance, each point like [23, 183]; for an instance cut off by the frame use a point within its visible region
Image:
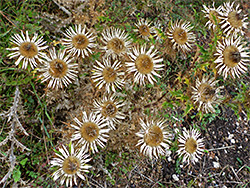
[108, 108]
[232, 20]
[79, 42]
[154, 138]
[144, 64]
[108, 75]
[232, 57]
[206, 94]
[72, 164]
[116, 42]
[90, 132]
[144, 28]
[58, 69]
[190, 146]
[180, 36]
[28, 51]
[213, 14]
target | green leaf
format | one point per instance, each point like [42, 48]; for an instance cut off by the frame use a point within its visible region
[206, 151]
[248, 168]
[16, 175]
[23, 162]
[240, 161]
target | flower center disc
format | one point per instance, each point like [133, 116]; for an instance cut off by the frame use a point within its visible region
[109, 74]
[154, 136]
[58, 68]
[207, 92]
[71, 165]
[144, 64]
[235, 19]
[231, 56]
[109, 109]
[28, 49]
[80, 41]
[117, 45]
[213, 15]
[144, 30]
[89, 131]
[180, 36]
[191, 145]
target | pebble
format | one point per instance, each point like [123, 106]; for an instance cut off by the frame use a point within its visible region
[175, 177]
[232, 141]
[230, 136]
[216, 165]
[169, 159]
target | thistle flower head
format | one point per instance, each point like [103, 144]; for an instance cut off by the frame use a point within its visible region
[58, 69]
[144, 28]
[108, 75]
[28, 51]
[232, 19]
[116, 42]
[72, 165]
[154, 138]
[109, 109]
[206, 94]
[144, 64]
[190, 146]
[79, 41]
[213, 14]
[232, 57]
[181, 36]
[90, 132]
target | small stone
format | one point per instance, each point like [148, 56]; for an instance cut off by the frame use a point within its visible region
[230, 136]
[216, 164]
[232, 141]
[175, 177]
[169, 159]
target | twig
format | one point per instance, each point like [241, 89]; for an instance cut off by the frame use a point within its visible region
[233, 182]
[223, 169]
[63, 8]
[235, 173]
[95, 183]
[226, 147]
[241, 168]
[1, 12]
[15, 123]
[144, 176]
[154, 103]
